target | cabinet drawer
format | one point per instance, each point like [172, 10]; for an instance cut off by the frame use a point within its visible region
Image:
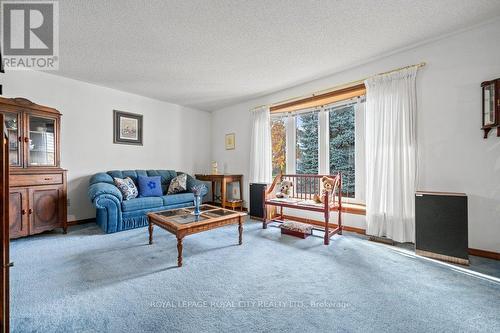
[38, 179]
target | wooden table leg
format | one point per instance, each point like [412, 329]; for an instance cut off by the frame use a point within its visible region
[150, 228]
[213, 192]
[241, 192]
[179, 252]
[223, 192]
[240, 230]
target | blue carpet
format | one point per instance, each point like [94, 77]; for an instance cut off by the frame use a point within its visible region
[87, 281]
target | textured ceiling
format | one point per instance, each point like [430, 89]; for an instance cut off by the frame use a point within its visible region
[208, 54]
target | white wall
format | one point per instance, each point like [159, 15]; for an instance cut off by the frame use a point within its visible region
[175, 137]
[453, 156]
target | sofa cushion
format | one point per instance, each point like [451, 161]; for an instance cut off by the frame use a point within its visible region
[174, 199]
[178, 184]
[124, 173]
[127, 187]
[166, 176]
[142, 203]
[150, 186]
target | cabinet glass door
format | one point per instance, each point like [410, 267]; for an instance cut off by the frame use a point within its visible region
[42, 141]
[13, 126]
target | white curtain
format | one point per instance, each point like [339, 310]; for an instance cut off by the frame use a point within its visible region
[391, 155]
[260, 147]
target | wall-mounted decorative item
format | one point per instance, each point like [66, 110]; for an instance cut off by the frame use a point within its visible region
[127, 128]
[490, 113]
[230, 141]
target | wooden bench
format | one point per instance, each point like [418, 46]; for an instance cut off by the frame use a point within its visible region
[302, 194]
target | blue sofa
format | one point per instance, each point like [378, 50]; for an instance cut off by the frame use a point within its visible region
[115, 214]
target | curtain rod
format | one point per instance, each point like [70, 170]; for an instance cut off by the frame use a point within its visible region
[345, 85]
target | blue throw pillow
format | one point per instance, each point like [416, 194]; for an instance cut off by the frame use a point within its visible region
[150, 186]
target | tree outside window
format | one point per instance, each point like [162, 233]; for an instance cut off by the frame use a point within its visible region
[342, 137]
[278, 141]
[307, 143]
[307, 150]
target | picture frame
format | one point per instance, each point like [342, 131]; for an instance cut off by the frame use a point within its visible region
[127, 128]
[230, 141]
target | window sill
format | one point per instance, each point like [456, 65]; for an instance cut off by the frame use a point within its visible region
[353, 208]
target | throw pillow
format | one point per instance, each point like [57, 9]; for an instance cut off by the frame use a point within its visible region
[127, 187]
[178, 184]
[150, 186]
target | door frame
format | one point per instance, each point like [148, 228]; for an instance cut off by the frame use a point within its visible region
[4, 230]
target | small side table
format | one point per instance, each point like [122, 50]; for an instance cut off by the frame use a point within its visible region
[224, 180]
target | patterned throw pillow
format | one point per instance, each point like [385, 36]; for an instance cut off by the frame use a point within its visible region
[127, 187]
[150, 186]
[178, 184]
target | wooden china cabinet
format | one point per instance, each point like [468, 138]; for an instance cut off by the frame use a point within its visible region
[37, 182]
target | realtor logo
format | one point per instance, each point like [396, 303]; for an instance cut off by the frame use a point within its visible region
[30, 34]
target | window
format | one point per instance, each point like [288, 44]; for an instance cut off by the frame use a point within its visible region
[278, 141]
[323, 140]
[307, 145]
[341, 125]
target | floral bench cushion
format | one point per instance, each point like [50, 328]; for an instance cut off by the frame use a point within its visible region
[297, 226]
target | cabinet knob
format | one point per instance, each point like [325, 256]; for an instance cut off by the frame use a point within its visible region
[30, 211]
[23, 212]
[26, 139]
[48, 178]
[20, 139]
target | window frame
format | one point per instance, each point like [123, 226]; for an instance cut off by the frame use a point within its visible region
[324, 142]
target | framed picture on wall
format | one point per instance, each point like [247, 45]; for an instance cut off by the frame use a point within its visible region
[127, 128]
[230, 142]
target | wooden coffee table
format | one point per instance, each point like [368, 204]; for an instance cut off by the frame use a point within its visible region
[182, 222]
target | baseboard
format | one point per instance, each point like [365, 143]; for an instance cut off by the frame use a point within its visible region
[83, 221]
[484, 254]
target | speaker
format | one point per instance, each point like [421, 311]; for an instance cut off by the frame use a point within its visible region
[256, 200]
[441, 226]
